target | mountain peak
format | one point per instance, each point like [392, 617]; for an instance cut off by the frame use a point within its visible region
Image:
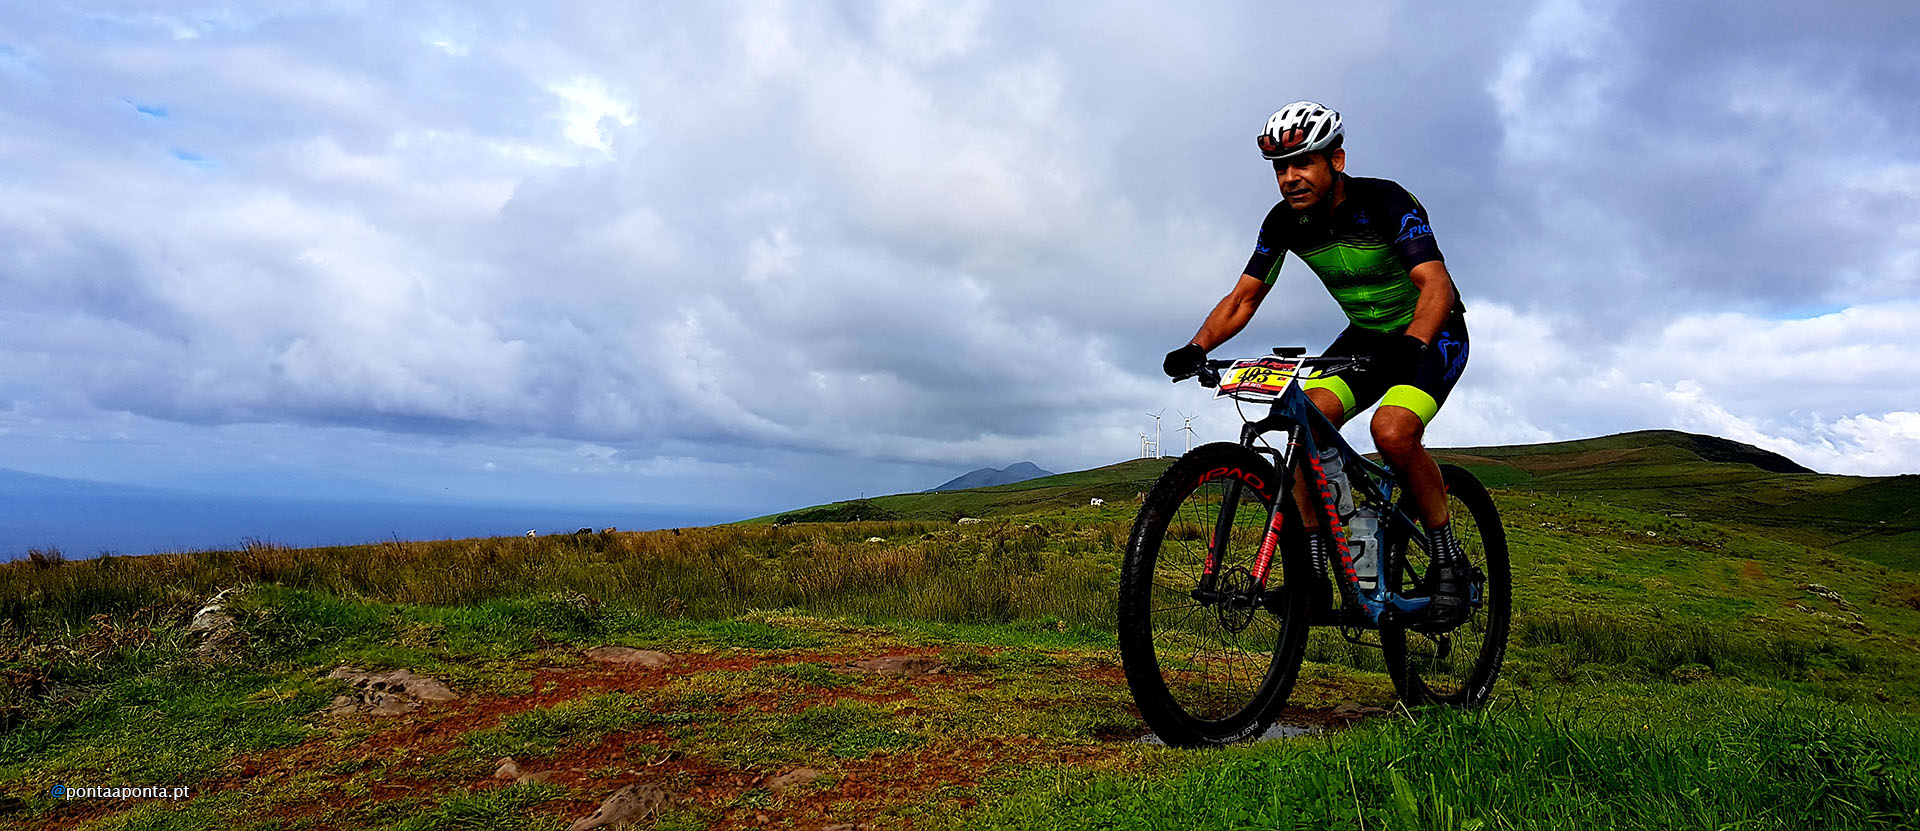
[1716, 449]
[988, 477]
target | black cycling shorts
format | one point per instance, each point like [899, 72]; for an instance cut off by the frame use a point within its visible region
[1387, 380]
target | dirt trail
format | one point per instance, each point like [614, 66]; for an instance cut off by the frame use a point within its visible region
[706, 762]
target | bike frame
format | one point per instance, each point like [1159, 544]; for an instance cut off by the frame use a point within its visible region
[1296, 414]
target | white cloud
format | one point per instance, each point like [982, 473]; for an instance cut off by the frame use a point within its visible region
[587, 107]
[1831, 391]
[922, 32]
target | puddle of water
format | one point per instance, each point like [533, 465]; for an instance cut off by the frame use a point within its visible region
[1277, 731]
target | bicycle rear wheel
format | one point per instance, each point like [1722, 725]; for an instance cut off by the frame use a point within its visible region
[1456, 668]
[1208, 670]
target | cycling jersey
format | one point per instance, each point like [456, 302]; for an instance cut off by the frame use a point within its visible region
[1363, 251]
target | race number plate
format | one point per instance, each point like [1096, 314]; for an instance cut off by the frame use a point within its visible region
[1258, 379]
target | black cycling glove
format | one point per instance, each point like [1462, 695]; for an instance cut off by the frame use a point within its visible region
[1185, 361]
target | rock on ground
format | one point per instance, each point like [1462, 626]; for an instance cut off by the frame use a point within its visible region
[219, 638]
[909, 666]
[627, 806]
[628, 655]
[1355, 710]
[509, 771]
[799, 776]
[388, 693]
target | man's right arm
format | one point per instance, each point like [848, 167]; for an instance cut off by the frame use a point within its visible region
[1232, 313]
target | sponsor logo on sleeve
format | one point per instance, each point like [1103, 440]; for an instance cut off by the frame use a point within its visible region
[1413, 225]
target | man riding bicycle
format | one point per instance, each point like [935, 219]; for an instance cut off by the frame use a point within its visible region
[1369, 241]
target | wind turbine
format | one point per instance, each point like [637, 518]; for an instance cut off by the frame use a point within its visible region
[1188, 429]
[1156, 431]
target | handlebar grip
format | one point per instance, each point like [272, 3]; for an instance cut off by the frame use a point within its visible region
[1208, 374]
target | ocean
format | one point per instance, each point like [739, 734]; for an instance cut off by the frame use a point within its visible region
[88, 524]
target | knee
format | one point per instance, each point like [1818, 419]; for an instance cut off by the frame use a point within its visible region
[1396, 436]
[1328, 404]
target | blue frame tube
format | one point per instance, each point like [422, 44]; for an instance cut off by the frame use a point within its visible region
[1294, 408]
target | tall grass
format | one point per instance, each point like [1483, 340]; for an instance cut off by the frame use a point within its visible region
[1738, 765]
[1670, 648]
[922, 571]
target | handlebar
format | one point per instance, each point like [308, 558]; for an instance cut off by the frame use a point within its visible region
[1209, 371]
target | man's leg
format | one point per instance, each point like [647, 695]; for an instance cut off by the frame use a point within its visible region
[1396, 434]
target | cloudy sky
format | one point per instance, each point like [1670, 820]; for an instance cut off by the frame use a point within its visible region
[757, 255]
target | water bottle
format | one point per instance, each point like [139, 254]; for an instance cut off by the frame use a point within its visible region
[1363, 542]
[1335, 471]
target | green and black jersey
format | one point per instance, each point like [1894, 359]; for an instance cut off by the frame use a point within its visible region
[1363, 251]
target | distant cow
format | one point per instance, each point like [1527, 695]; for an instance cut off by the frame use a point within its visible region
[1097, 501]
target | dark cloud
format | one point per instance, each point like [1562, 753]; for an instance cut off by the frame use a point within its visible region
[922, 236]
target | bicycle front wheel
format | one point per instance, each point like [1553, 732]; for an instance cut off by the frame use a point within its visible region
[1211, 659]
[1455, 668]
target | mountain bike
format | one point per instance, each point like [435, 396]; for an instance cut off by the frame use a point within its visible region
[1218, 590]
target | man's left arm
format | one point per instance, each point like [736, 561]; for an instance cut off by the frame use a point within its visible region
[1437, 297]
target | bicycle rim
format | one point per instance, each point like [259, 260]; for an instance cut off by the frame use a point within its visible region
[1457, 668]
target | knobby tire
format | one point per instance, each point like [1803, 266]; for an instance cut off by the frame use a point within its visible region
[1206, 674]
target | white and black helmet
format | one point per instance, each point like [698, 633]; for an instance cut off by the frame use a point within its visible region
[1301, 127]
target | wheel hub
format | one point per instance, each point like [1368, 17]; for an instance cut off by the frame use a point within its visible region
[1237, 601]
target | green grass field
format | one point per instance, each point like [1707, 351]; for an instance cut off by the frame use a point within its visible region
[1698, 642]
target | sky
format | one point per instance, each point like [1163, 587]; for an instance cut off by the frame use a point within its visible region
[757, 255]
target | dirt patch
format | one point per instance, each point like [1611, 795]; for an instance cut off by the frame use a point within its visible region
[659, 769]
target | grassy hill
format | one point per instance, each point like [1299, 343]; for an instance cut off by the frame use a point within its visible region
[1659, 471]
[1701, 640]
[1121, 482]
[1708, 478]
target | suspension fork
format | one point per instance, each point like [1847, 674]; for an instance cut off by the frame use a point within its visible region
[1222, 535]
[1270, 539]
[1230, 504]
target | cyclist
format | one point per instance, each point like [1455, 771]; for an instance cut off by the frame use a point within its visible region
[1369, 241]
